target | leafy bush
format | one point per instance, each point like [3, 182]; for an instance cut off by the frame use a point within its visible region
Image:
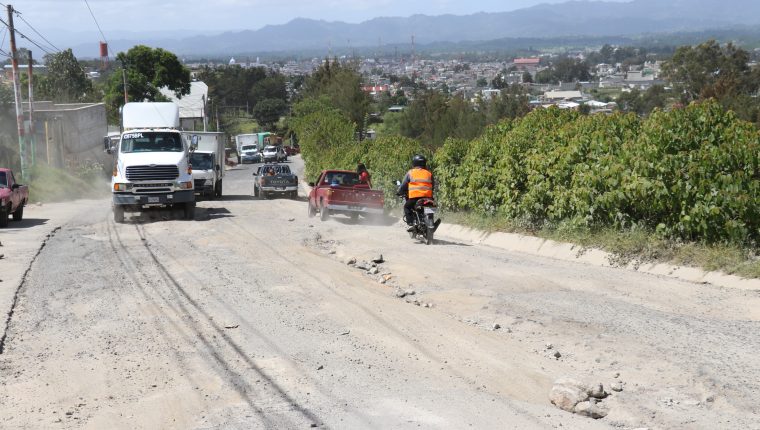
[691, 174]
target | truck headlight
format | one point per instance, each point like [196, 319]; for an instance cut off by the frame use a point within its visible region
[186, 185]
[122, 187]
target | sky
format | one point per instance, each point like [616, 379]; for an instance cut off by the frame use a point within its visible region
[51, 17]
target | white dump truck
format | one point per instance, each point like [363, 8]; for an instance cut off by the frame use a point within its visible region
[207, 161]
[152, 165]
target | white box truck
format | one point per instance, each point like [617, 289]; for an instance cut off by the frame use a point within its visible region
[152, 165]
[207, 161]
[247, 147]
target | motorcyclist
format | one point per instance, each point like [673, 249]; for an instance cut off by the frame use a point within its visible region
[418, 184]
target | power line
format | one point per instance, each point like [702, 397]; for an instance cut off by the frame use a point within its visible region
[23, 36]
[97, 25]
[18, 14]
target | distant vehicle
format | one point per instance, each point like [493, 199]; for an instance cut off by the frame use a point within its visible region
[282, 182]
[249, 141]
[293, 150]
[274, 154]
[13, 197]
[207, 161]
[341, 192]
[250, 154]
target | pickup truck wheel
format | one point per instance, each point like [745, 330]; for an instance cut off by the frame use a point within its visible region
[312, 210]
[3, 218]
[324, 213]
[189, 210]
[118, 214]
[219, 188]
[354, 217]
[294, 195]
[19, 214]
[255, 191]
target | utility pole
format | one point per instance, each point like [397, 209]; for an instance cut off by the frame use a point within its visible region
[17, 94]
[32, 135]
[124, 79]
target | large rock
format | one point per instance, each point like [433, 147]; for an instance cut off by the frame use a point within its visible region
[566, 396]
[591, 410]
[578, 397]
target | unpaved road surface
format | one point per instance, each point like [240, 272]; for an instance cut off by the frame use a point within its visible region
[250, 317]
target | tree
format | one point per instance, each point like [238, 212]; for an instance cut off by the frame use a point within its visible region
[564, 70]
[147, 70]
[342, 85]
[710, 70]
[643, 103]
[527, 78]
[65, 81]
[482, 83]
[268, 112]
[271, 87]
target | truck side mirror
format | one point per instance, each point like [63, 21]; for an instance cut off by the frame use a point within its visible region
[107, 144]
[218, 167]
[194, 142]
[311, 184]
[15, 186]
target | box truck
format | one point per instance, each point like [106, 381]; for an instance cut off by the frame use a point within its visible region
[207, 161]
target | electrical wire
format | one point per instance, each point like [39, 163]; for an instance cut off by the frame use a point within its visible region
[45, 50]
[18, 14]
[98, 25]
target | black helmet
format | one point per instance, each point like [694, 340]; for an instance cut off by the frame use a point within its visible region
[419, 161]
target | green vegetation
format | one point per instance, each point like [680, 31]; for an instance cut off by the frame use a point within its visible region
[65, 81]
[250, 98]
[147, 70]
[690, 174]
[564, 70]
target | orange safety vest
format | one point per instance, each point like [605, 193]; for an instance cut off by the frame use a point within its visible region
[420, 183]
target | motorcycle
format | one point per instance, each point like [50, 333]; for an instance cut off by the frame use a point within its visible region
[424, 223]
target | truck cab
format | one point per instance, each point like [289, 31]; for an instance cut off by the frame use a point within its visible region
[152, 165]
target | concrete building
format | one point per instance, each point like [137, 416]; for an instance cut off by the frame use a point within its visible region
[192, 107]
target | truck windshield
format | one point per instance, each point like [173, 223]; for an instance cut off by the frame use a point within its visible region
[3, 180]
[249, 148]
[147, 141]
[201, 161]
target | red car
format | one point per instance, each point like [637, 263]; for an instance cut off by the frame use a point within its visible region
[292, 150]
[341, 192]
[13, 197]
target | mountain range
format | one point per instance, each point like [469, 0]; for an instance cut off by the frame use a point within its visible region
[570, 19]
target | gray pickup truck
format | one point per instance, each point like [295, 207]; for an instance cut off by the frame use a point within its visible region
[271, 179]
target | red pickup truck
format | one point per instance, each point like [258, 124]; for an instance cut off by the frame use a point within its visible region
[341, 192]
[13, 197]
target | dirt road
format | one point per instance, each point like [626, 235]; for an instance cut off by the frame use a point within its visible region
[250, 317]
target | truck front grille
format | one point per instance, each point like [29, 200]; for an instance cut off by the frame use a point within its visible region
[152, 173]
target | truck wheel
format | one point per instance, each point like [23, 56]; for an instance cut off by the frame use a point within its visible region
[19, 214]
[324, 213]
[354, 217]
[189, 210]
[255, 191]
[118, 214]
[219, 189]
[312, 210]
[3, 218]
[294, 195]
